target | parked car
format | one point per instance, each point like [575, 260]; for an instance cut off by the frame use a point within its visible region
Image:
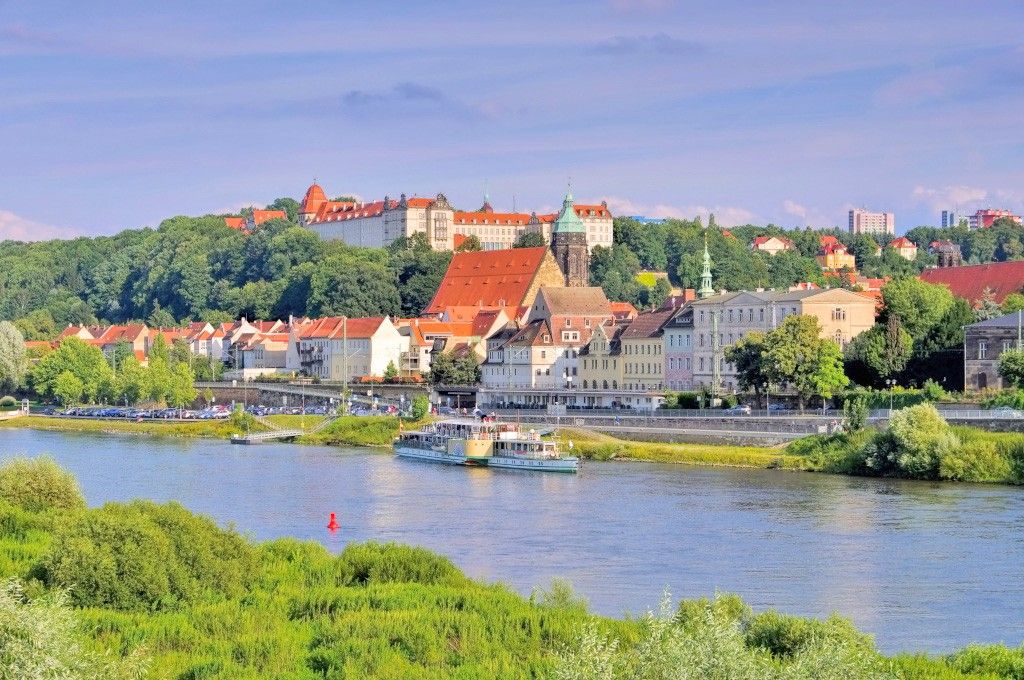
[738, 409]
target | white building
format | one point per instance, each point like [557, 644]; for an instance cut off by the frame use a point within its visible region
[341, 348]
[867, 222]
[377, 224]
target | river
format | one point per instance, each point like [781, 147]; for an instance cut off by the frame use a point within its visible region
[922, 566]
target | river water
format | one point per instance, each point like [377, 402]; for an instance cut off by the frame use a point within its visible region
[928, 567]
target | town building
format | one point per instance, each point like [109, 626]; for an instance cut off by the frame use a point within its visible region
[904, 247]
[867, 222]
[721, 320]
[601, 370]
[678, 348]
[983, 219]
[254, 219]
[643, 353]
[984, 342]
[536, 363]
[949, 219]
[503, 279]
[378, 223]
[340, 348]
[975, 282]
[772, 245]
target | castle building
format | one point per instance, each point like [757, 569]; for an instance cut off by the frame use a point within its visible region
[569, 245]
[379, 223]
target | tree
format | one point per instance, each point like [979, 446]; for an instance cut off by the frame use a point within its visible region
[1011, 367]
[918, 304]
[988, 307]
[12, 356]
[289, 205]
[798, 356]
[884, 351]
[448, 369]
[390, 373]
[529, 239]
[748, 358]
[181, 391]
[420, 407]
[132, 382]
[1014, 302]
[160, 318]
[84, 362]
[470, 244]
[68, 388]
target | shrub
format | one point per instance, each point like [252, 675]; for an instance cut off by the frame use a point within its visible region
[145, 556]
[688, 400]
[932, 391]
[841, 453]
[855, 412]
[8, 403]
[975, 461]
[393, 563]
[786, 636]
[37, 484]
[915, 443]
[40, 638]
[420, 407]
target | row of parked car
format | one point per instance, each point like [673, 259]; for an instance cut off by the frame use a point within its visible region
[138, 413]
[260, 410]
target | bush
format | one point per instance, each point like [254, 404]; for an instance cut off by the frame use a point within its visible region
[36, 484]
[393, 563]
[8, 403]
[145, 556]
[855, 412]
[40, 638]
[786, 636]
[975, 461]
[915, 443]
[420, 407]
[841, 453]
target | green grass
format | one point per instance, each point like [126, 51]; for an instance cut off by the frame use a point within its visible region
[391, 611]
[597, 446]
[360, 431]
[210, 429]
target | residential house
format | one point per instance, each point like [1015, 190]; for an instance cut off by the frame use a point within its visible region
[773, 245]
[344, 349]
[600, 369]
[643, 356]
[678, 350]
[834, 255]
[947, 252]
[904, 247]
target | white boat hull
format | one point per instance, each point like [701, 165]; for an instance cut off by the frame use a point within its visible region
[542, 464]
[430, 455]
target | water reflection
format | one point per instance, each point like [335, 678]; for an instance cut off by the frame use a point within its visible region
[923, 566]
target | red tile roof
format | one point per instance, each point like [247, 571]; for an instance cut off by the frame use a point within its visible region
[492, 278]
[261, 216]
[314, 197]
[491, 218]
[902, 242]
[829, 240]
[235, 222]
[337, 327]
[970, 282]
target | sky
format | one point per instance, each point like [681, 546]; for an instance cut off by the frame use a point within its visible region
[118, 114]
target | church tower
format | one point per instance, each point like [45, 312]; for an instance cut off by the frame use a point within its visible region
[569, 245]
[706, 289]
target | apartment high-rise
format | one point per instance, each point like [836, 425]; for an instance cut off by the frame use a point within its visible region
[949, 218]
[867, 222]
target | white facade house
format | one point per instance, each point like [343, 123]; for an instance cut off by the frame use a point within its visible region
[341, 348]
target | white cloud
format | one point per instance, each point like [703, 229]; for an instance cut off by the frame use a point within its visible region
[725, 215]
[17, 228]
[950, 197]
[808, 216]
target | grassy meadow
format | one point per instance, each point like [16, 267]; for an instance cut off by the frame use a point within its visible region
[146, 590]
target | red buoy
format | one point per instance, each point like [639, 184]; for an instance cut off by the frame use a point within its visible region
[333, 524]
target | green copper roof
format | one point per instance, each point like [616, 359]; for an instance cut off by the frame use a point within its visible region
[706, 289]
[568, 220]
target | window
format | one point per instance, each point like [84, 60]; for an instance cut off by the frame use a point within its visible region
[700, 340]
[760, 314]
[543, 354]
[1007, 345]
[838, 337]
[587, 323]
[701, 363]
[568, 323]
[982, 349]
[730, 316]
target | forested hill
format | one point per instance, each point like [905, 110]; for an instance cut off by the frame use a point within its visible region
[197, 268]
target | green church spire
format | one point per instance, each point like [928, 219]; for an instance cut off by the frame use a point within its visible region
[706, 290]
[568, 220]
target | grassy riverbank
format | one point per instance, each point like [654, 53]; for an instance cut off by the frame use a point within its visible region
[148, 590]
[598, 446]
[210, 429]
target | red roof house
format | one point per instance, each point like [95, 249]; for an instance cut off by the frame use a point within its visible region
[971, 282]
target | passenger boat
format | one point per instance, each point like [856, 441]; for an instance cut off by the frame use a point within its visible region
[485, 444]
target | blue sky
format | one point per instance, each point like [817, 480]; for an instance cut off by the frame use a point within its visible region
[116, 115]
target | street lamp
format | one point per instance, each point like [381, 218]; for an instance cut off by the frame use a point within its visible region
[891, 384]
[767, 398]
